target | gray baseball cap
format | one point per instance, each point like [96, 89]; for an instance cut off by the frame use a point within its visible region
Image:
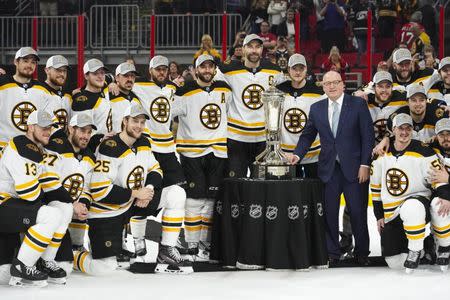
[57, 61]
[134, 110]
[252, 37]
[25, 51]
[442, 125]
[415, 88]
[93, 65]
[382, 76]
[444, 62]
[202, 58]
[81, 120]
[400, 55]
[41, 118]
[125, 68]
[402, 119]
[158, 61]
[296, 59]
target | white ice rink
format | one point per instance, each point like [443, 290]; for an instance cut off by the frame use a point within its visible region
[341, 283]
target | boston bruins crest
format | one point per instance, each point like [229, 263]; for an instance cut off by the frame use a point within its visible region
[252, 96]
[210, 116]
[20, 113]
[135, 179]
[295, 120]
[380, 129]
[396, 182]
[160, 110]
[61, 115]
[74, 185]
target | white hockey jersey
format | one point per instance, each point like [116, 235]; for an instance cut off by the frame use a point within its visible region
[74, 169]
[24, 175]
[118, 105]
[61, 101]
[201, 112]
[246, 120]
[118, 170]
[296, 108]
[397, 176]
[17, 102]
[157, 101]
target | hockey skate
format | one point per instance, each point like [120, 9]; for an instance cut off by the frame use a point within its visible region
[188, 253]
[203, 252]
[443, 258]
[140, 248]
[55, 273]
[170, 261]
[125, 258]
[412, 261]
[22, 275]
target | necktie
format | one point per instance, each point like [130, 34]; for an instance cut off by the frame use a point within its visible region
[335, 118]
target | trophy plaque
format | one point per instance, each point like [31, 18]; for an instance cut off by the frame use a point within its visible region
[271, 163]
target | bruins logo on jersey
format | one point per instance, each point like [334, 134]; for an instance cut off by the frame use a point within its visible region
[58, 141]
[380, 128]
[251, 96]
[74, 185]
[160, 110]
[295, 120]
[439, 113]
[210, 116]
[109, 121]
[396, 181]
[61, 115]
[32, 147]
[135, 179]
[81, 99]
[20, 113]
[111, 143]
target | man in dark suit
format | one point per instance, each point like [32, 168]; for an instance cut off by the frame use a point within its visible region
[347, 139]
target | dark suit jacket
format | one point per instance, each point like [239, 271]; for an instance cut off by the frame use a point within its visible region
[354, 138]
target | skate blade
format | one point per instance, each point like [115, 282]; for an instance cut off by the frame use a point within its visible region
[409, 271]
[61, 281]
[166, 269]
[123, 265]
[188, 257]
[20, 282]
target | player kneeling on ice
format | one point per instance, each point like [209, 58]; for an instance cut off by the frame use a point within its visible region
[440, 208]
[33, 202]
[126, 182]
[401, 194]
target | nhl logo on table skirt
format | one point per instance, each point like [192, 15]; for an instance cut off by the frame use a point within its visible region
[293, 212]
[305, 211]
[255, 211]
[219, 207]
[271, 212]
[235, 211]
[320, 209]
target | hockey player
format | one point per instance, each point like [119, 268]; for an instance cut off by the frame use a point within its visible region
[300, 94]
[401, 195]
[246, 121]
[126, 181]
[56, 69]
[34, 202]
[20, 95]
[95, 99]
[440, 83]
[440, 207]
[125, 77]
[68, 156]
[201, 107]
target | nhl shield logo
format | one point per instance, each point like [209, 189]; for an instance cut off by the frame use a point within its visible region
[235, 211]
[219, 207]
[320, 209]
[305, 211]
[255, 211]
[271, 212]
[293, 212]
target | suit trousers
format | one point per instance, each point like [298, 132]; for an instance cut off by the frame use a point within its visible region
[357, 206]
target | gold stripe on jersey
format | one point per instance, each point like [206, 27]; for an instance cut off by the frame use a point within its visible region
[434, 91]
[4, 197]
[56, 240]
[35, 240]
[442, 232]
[193, 223]
[235, 72]
[8, 86]
[418, 80]
[171, 224]
[118, 99]
[414, 232]
[49, 180]
[29, 190]
[268, 71]
[408, 153]
[89, 160]
[244, 128]
[199, 146]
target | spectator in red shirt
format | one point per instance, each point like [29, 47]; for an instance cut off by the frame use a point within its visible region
[335, 62]
[270, 39]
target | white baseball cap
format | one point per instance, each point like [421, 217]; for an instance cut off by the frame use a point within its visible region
[81, 120]
[415, 88]
[402, 119]
[41, 118]
[93, 65]
[442, 125]
[125, 68]
[252, 37]
[134, 110]
[158, 61]
[202, 58]
[400, 55]
[444, 62]
[25, 51]
[296, 59]
[382, 76]
[57, 61]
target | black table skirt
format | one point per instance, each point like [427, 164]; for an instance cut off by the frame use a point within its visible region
[273, 224]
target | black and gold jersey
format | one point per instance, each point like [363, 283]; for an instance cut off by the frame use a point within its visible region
[61, 101]
[118, 105]
[202, 115]
[295, 113]
[118, 170]
[440, 92]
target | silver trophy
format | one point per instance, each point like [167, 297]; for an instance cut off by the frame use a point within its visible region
[271, 163]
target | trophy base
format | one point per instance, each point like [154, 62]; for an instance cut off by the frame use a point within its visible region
[277, 172]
